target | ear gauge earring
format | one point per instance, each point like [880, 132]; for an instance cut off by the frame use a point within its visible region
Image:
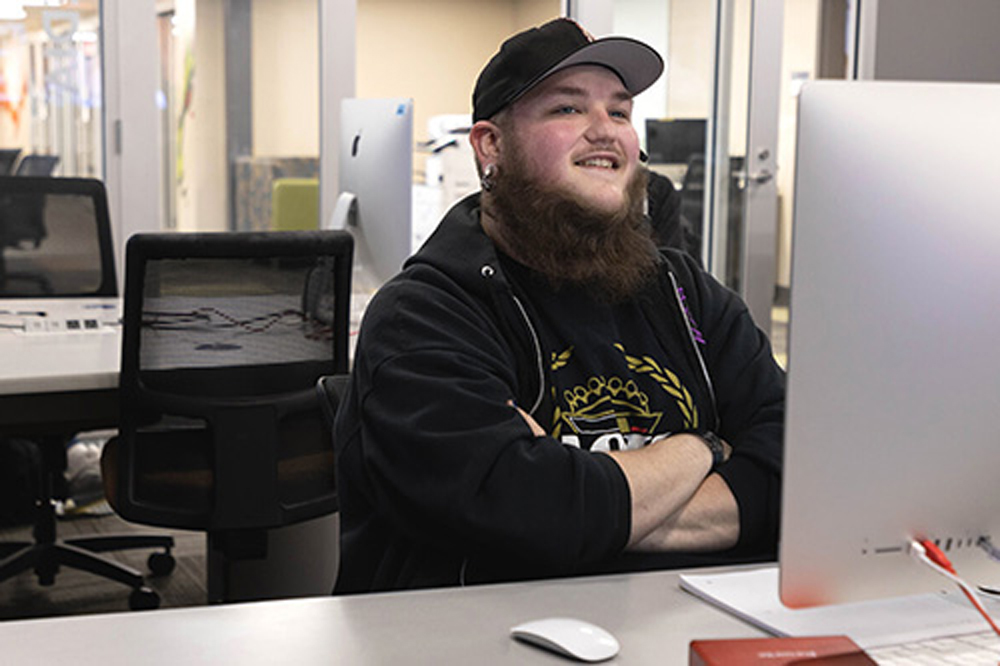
[486, 180]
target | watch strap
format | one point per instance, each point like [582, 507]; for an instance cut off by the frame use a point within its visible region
[714, 445]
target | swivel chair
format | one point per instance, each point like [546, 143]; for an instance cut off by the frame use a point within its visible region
[36, 165]
[225, 337]
[8, 159]
[55, 238]
[72, 217]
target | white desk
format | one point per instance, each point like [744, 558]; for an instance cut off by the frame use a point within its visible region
[651, 617]
[51, 380]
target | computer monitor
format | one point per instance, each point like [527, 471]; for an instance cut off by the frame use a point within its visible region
[376, 178]
[675, 141]
[893, 406]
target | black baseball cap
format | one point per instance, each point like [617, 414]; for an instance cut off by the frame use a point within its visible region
[529, 57]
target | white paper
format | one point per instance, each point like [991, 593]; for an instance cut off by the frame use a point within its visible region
[753, 597]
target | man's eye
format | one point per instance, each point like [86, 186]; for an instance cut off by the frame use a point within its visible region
[567, 109]
[620, 114]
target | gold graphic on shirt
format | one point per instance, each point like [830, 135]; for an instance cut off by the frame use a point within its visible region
[561, 360]
[668, 381]
[605, 405]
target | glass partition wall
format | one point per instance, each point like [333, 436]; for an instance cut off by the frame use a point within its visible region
[239, 100]
[721, 124]
[240, 105]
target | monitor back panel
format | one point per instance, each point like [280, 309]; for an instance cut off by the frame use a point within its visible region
[893, 414]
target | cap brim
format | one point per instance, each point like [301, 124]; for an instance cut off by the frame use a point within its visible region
[635, 63]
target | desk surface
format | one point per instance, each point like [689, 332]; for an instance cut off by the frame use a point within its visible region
[53, 377]
[41, 360]
[653, 619]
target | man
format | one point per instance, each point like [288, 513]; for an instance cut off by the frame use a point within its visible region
[541, 392]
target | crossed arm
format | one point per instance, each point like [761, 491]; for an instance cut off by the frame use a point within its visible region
[677, 503]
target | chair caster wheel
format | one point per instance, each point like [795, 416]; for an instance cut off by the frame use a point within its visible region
[47, 574]
[160, 564]
[143, 598]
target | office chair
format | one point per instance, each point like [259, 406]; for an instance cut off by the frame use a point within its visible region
[74, 220]
[330, 389]
[225, 337]
[55, 238]
[8, 158]
[693, 205]
[36, 165]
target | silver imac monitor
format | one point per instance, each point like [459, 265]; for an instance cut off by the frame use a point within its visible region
[376, 182]
[893, 412]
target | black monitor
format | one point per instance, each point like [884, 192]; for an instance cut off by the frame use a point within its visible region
[675, 141]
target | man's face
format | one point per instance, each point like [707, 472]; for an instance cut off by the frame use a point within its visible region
[568, 197]
[574, 134]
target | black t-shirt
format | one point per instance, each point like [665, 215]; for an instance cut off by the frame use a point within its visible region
[614, 385]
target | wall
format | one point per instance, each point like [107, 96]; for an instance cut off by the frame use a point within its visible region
[452, 40]
[689, 60]
[931, 40]
[285, 78]
[202, 187]
[648, 21]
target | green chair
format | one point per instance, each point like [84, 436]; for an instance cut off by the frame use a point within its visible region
[295, 204]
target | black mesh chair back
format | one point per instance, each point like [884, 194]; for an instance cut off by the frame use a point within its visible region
[55, 242]
[55, 238]
[225, 336]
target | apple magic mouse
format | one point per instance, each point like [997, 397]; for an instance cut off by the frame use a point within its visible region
[569, 637]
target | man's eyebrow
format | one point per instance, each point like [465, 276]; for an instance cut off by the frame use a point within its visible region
[576, 91]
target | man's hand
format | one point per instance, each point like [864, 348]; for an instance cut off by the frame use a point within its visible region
[536, 430]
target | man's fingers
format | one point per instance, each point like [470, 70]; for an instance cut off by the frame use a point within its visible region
[536, 430]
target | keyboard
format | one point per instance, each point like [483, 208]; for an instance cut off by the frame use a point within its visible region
[966, 649]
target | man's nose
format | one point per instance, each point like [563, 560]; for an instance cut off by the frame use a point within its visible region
[601, 127]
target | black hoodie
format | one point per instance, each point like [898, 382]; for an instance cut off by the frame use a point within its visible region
[442, 483]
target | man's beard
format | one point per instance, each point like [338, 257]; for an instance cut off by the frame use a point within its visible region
[570, 241]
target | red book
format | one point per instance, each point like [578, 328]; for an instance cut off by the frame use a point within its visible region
[803, 651]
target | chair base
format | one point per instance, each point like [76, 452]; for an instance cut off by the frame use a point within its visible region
[46, 555]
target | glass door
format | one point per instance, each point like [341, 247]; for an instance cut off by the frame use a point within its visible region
[51, 96]
[711, 124]
[742, 166]
[240, 109]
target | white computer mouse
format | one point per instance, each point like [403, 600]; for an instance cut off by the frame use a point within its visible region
[569, 637]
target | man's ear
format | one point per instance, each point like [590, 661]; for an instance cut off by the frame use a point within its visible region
[485, 138]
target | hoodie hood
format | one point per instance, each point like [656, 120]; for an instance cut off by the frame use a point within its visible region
[461, 249]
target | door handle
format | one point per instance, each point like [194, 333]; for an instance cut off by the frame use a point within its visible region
[759, 178]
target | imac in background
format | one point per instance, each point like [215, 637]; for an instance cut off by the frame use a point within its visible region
[376, 183]
[893, 411]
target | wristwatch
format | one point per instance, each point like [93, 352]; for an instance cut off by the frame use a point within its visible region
[714, 445]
